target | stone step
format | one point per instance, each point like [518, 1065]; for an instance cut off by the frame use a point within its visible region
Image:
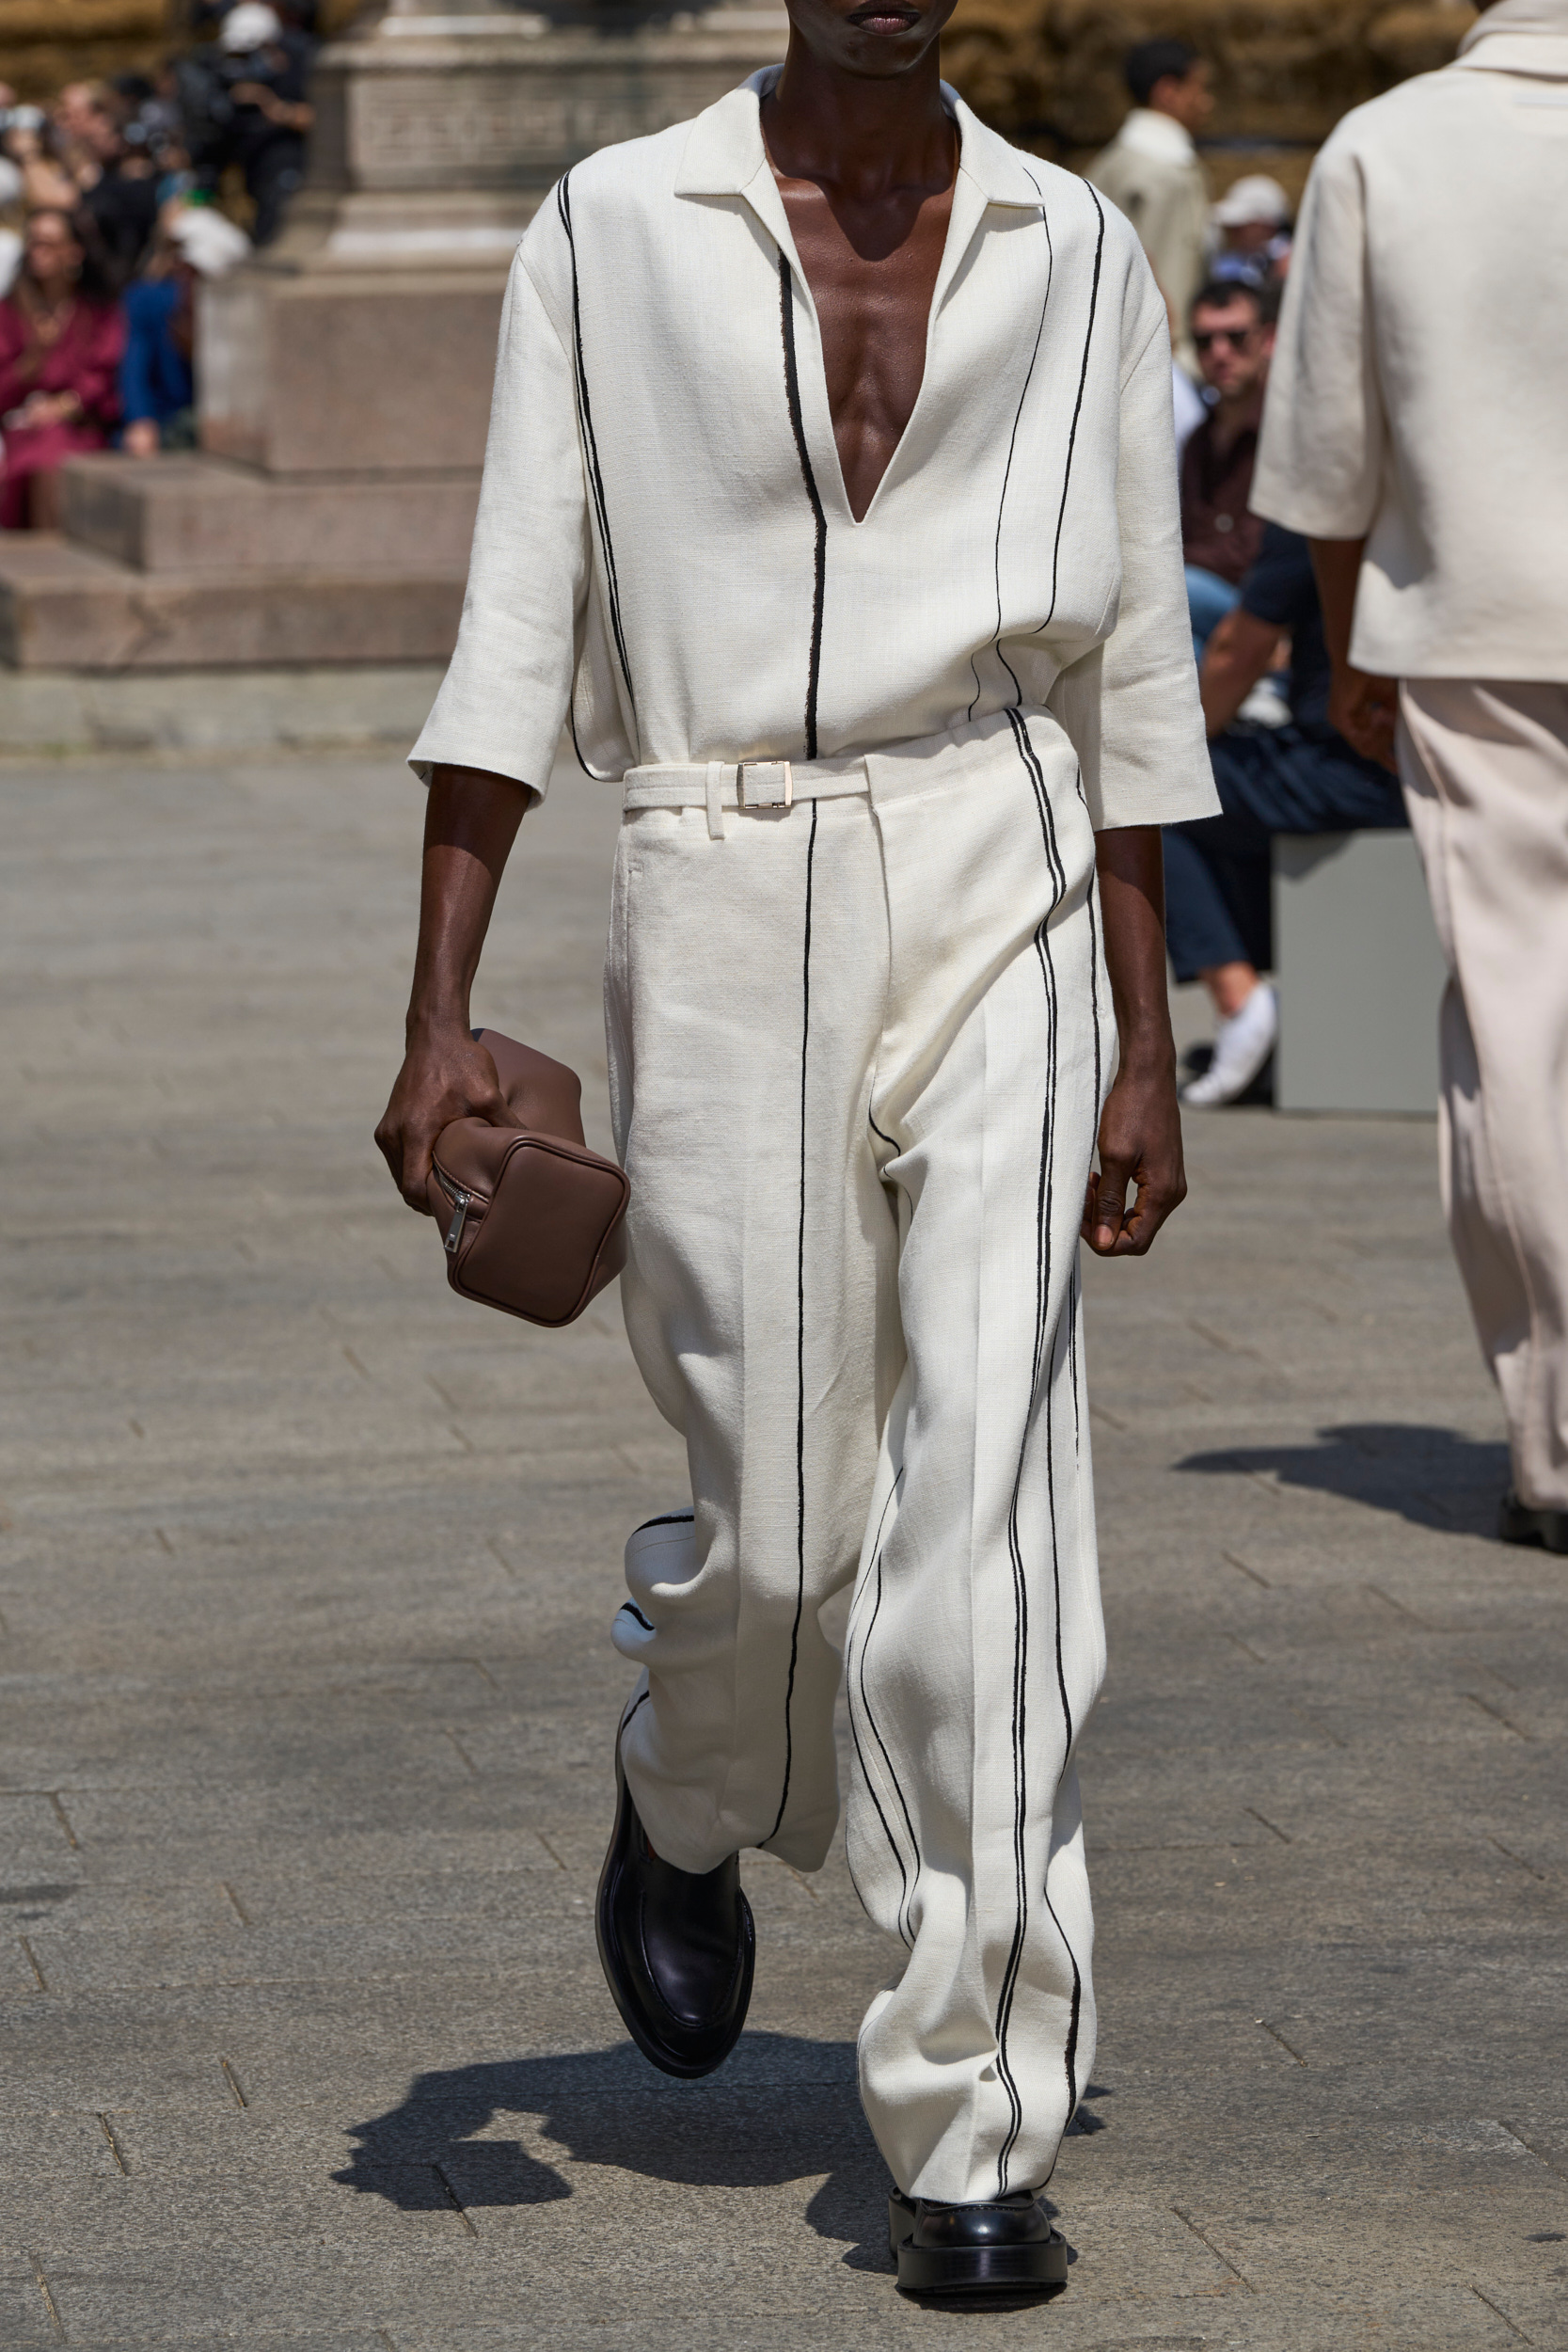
[200, 515]
[65, 607]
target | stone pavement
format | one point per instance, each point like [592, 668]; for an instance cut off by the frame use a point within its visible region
[305, 1572]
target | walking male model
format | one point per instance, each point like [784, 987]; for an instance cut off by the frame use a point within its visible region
[1414, 434]
[1153, 173]
[831, 489]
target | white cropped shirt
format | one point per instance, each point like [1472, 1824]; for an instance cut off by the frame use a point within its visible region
[1419, 393]
[664, 550]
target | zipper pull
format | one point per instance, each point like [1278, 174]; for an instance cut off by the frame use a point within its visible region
[462, 1203]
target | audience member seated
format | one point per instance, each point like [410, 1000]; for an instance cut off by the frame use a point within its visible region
[119, 191]
[1253, 221]
[1301, 778]
[1233, 333]
[157, 387]
[61, 338]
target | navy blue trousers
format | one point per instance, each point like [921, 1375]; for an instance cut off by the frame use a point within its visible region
[1218, 883]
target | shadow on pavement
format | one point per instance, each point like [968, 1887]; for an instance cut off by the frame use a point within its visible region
[783, 2109]
[1434, 1477]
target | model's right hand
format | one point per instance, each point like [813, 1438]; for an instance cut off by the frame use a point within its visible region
[1366, 710]
[445, 1075]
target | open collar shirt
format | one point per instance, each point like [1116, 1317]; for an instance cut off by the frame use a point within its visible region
[1419, 390]
[664, 550]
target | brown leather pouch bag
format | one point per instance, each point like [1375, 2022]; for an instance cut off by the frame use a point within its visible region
[533, 1220]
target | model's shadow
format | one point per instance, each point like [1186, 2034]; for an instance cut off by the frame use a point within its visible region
[1432, 1477]
[783, 2109]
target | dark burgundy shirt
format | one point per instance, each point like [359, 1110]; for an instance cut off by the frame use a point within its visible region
[1217, 532]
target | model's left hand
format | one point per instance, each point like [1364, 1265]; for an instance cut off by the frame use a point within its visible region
[1140, 1143]
[1140, 1129]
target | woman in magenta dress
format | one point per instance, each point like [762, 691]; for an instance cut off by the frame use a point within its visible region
[60, 346]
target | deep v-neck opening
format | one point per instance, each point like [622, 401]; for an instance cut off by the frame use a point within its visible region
[791, 254]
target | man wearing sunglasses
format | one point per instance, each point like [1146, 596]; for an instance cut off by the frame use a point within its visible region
[1233, 334]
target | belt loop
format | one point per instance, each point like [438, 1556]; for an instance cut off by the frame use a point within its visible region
[715, 800]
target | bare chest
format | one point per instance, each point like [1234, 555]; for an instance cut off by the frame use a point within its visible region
[872, 281]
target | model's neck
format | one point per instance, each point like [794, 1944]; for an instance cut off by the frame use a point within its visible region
[862, 135]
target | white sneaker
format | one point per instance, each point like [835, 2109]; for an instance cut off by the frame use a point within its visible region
[1243, 1044]
[1265, 705]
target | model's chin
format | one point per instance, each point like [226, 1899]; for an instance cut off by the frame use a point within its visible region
[871, 49]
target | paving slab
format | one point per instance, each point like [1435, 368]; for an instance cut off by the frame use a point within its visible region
[306, 1702]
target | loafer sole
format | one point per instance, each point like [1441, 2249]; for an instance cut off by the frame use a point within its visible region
[972, 2269]
[1520, 1523]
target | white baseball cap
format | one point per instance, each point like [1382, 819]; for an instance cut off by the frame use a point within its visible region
[1255, 198]
[250, 25]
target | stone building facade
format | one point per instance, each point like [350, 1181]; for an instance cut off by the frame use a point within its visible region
[1047, 72]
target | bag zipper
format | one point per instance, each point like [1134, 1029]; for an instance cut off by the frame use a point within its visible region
[462, 1202]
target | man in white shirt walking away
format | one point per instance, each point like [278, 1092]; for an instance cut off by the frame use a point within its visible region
[1151, 172]
[1415, 432]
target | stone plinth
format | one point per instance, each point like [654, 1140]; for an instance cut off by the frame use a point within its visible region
[346, 372]
[364, 340]
[199, 515]
[326, 372]
[63, 606]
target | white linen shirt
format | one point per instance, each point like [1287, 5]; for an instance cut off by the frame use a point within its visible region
[664, 546]
[1418, 393]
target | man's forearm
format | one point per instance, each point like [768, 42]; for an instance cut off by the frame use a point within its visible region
[1239, 651]
[1140, 1129]
[1361, 706]
[1336, 564]
[471, 822]
[1131, 865]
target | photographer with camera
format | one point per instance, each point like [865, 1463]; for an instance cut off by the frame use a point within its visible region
[244, 103]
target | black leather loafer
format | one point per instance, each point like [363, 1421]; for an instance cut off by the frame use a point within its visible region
[677, 1948]
[1521, 1524]
[1005, 2247]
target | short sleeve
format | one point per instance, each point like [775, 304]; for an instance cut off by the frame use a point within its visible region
[1321, 453]
[504, 699]
[1130, 706]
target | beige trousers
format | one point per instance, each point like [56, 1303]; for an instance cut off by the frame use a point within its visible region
[1484, 768]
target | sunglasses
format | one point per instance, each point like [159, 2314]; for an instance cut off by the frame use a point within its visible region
[1237, 337]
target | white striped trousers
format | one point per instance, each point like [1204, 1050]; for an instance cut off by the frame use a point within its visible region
[858, 1048]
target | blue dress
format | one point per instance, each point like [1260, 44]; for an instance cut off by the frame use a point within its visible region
[155, 377]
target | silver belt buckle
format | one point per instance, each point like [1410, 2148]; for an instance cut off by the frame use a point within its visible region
[767, 783]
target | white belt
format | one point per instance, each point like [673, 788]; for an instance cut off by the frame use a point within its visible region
[721, 784]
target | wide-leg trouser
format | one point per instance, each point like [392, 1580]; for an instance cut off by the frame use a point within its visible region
[1484, 768]
[858, 1052]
